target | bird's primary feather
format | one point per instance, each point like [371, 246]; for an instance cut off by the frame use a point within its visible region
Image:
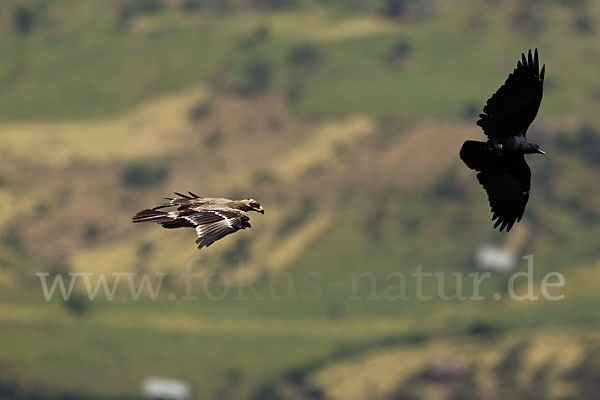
[212, 225]
[507, 185]
[511, 110]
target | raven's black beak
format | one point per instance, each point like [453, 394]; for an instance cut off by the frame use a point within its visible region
[541, 151]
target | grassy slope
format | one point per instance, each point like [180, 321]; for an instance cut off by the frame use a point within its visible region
[90, 69]
[451, 368]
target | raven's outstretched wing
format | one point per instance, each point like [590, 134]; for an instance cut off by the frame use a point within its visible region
[511, 110]
[214, 224]
[507, 186]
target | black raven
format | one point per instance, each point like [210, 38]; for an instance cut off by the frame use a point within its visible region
[500, 161]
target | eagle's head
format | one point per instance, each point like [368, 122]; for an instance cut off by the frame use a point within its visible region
[253, 205]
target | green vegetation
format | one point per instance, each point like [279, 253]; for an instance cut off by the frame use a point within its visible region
[141, 175]
[255, 77]
[79, 61]
[322, 110]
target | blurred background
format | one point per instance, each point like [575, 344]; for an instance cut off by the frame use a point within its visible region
[344, 119]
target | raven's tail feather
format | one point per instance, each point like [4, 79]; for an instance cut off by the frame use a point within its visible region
[473, 154]
[151, 216]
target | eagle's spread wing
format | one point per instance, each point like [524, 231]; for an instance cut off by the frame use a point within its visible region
[507, 186]
[511, 110]
[216, 223]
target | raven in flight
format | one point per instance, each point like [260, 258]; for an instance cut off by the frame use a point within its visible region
[500, 162]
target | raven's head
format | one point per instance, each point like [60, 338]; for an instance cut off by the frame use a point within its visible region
[534, 148]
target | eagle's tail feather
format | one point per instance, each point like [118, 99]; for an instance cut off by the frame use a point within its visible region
[151, 216]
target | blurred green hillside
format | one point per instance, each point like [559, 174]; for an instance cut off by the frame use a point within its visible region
[344, 119]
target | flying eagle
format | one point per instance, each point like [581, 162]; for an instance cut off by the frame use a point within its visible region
[213, 218]
[500, 161]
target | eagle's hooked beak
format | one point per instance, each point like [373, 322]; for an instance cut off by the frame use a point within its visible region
[541, 151]
[259, 209]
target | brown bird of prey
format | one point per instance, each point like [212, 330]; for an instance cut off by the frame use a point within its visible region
[213, 218]
[500, 162]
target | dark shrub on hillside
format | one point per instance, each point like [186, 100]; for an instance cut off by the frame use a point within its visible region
[91, 232]
[448, 187]
[295, 90]
[582, 24]
[275, 4]
[398, 52]
[527, 19]
[12, 238]
[589, 142]
[139, 7]
[304, 55]
[299, 215]
[302, 59]
[239, 253]
[200, 111]
[145, 249]
[269, 391]
[258, 35]
[214, 139]
[192, 5]
[394, 8]
[482, 328]
[77, 304]
[586, 373]
[586, 141]
[143, 175]
[336, 310]
[255, 77]
[374, 224]
[508, 368]
[575, 4]
[264, 176]
[471, 110]
[23, 20]
[129, 9]
[476, 22]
